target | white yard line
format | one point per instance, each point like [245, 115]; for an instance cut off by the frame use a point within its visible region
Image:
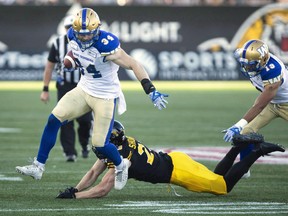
[5, 178]
[198, 208]
[10, 130]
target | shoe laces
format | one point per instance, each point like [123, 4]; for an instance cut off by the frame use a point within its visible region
[33, 161]
[173, 190]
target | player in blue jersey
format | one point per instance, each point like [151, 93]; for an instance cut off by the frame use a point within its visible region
[270, 76]
[173, 168]
[66, 81]
[98, 55]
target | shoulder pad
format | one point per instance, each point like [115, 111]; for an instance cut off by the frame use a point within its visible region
[107, 43]
[70, 34]
[274, 74]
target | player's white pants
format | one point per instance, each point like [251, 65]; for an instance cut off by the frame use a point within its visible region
[76, 102]
[270, 112]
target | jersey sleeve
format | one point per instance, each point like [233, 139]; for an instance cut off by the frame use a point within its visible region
[273, 74]
[107, 43]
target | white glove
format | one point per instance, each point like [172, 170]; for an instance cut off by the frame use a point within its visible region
[158, 99]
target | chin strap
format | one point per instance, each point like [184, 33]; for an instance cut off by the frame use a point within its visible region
[169, 187]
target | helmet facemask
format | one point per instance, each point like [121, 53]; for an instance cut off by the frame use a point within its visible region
[85, 44]
[251, 68]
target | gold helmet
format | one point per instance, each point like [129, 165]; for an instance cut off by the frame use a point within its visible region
[253, 57]
[86, 24]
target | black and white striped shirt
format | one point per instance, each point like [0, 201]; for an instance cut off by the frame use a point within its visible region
[56, 55]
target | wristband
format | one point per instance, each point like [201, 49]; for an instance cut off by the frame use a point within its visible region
[46, 89]
[242, 123]
[147, 85]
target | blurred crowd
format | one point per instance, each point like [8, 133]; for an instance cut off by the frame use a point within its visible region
[145, 2]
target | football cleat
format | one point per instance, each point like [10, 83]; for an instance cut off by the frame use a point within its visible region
[242, 140]
[85, 153]
[34, 170]
[265, 148]
[71, 158]
[121, 176]
[246, 175]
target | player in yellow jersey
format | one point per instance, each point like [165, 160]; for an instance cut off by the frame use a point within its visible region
[176, 167]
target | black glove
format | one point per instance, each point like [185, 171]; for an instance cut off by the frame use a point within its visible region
[69, 193]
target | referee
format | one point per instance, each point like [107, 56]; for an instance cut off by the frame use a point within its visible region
[66, 81]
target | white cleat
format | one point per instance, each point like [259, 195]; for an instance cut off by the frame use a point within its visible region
[121, 176]
[246, 175]
[33, 170]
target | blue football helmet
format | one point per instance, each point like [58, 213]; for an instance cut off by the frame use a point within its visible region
[253, 57]
[86, 27]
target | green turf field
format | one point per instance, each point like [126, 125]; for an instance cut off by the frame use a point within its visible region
[196, 114]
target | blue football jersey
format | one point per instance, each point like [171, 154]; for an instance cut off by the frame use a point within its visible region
[273, 72]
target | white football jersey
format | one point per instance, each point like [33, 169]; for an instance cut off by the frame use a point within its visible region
[99, 77]
[274, 71]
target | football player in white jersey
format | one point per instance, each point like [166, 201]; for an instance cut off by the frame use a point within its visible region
[270, 76]
[98, 55]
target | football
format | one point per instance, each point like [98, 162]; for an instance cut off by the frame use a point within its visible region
[69, 60]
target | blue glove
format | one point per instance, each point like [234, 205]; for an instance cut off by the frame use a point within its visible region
[158, 99]
[230, 132]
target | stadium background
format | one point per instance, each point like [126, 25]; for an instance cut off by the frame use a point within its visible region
[174, 43]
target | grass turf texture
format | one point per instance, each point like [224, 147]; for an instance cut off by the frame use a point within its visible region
[196, 113]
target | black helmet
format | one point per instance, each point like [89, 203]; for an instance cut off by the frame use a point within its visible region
[117, 134]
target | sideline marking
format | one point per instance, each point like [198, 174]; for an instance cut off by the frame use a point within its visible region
[134, 85]
[217, 153]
